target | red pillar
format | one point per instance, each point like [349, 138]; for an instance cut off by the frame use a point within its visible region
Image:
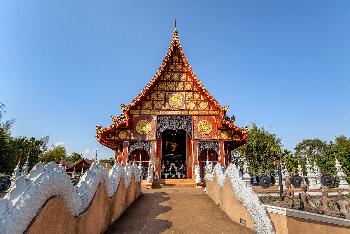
[189, 156]
[195, 152]
[116, 151]
[125, 152]
[222, 153]
[159, 155]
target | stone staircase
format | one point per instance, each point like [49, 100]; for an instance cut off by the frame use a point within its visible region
[174, 183]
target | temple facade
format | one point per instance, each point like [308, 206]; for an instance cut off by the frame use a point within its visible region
[174, 123]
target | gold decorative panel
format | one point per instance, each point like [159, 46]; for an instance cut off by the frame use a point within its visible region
[145, 112]
[205, 127]
[176, 91]
[122, 134]
[190, 105]
[143, 127]
[176, 100]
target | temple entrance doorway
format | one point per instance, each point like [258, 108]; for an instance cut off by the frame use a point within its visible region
[140, 156]
[173, 154]
[209, 155]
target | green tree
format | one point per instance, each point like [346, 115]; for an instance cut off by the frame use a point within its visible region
[342, 153]
[259, 150]
[75, 157]
[310, 149]
[5, 150]
[110, 161]
[5, 142]
[57, 153]
[23, 148]
[290, 161]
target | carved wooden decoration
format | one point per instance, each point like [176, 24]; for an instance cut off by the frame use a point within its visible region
[176, 93]
[173, 99]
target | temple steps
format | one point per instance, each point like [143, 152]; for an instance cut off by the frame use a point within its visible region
[174, 183]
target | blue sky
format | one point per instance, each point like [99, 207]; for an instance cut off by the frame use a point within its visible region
[66, 66]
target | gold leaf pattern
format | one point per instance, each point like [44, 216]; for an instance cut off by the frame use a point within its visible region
[161, 95]
[189, 95]
[205, 127]
[175, 100]
[203, 105]
[191, 105]
[158, 104]
[179, 86]
[143, 127]
[122, 134]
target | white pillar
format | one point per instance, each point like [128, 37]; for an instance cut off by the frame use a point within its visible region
[246, 177]
[312, 177]
[343, 184]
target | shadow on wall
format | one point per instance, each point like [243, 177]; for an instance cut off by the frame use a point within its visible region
[143, 215]
[54, 216]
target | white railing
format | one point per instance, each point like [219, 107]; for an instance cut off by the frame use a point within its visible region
[244, 192]
[20, 206]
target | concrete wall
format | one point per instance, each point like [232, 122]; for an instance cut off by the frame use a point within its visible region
[54, 216]
[285, 221]
[294, 222]
[228, 202]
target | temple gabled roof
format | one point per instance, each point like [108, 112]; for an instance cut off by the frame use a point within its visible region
[175, 43]
[123, 120]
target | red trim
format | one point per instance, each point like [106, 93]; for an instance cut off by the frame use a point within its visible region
[159, 154]
[188, 156]
[125, 152]
[222, 153]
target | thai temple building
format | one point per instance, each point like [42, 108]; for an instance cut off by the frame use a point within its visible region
[173, 123]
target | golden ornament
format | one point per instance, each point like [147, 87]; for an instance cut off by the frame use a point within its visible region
[205, 127]
[188, 85]
[203, 105]
[167, 76]
[161, 85]
[171, 85]
[175, 100]
[224, 135]
[191, 105]
[158, 105]
[154, 95]
[176, 76]
[143, 127]
[178, 66]
[189, 95]
[161, 95]
[122, 134]
[197, 96]
[179, 86]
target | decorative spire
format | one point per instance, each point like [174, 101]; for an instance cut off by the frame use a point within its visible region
[16, 173]
[175, 30]
[73, 174]
[25, 167]
[300, 170]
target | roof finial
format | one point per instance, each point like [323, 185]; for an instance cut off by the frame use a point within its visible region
[175, 25]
